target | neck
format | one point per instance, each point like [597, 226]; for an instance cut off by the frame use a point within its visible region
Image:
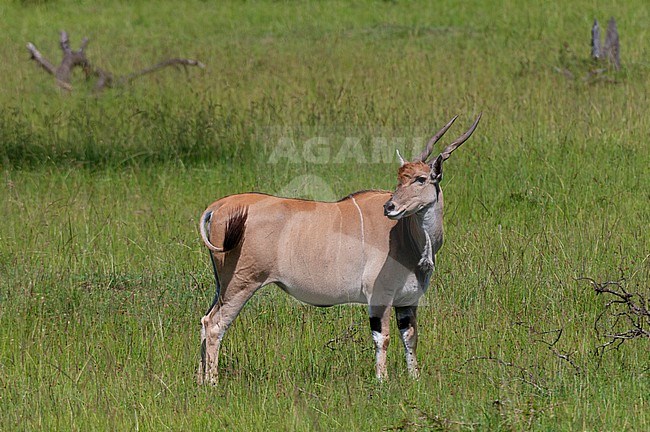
[429, 221]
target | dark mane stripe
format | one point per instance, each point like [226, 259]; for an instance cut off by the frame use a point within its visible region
[353, 194]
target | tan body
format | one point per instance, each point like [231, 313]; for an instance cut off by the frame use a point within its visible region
[326, 254]
[349, 265]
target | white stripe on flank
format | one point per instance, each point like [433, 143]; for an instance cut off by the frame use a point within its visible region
[363, 240]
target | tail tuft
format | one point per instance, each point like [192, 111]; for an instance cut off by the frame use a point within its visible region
[235, 228]
[234, 233]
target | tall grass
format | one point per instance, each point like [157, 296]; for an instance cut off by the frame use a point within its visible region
[103, 278]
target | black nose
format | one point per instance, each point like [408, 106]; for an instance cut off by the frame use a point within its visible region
[388, 207]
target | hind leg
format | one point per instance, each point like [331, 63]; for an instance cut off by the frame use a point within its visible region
[215, 323]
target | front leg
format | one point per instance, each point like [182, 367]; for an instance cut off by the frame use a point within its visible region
[408, 330]
[379, 325]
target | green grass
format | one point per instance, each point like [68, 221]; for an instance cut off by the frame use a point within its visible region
[103, 278]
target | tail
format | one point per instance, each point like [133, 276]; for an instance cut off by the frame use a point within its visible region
[232, 238]
[234, 229]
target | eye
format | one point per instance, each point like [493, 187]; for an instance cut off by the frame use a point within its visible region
[420, 180]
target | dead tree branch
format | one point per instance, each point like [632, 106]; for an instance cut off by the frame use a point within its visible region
[424, 420]
[526, 375]
[625, 316]
[42, 61]
[171, 62]
[538, 336]
[72, 59]
[351, 335]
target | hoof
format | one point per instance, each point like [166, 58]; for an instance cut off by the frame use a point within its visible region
[203, 377]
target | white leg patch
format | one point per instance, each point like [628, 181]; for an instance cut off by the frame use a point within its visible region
[409, 350]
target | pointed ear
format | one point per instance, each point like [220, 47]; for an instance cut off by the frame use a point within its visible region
[436, 169]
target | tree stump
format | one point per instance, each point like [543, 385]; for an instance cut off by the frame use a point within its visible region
[609, 52]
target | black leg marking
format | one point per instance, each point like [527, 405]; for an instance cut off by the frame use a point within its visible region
[405, 317]
[203, 356]
[216, 282]
[375, 324]
[404, 322]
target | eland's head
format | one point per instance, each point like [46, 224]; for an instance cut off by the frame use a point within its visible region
[418, 182]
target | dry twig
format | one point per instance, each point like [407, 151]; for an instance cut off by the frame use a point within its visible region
[350, 335]
[625, 316]
[538, 336]
[526, 375]
[427, 421]
[72, 59]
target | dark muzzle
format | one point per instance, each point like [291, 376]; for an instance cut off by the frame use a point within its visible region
[389, 207]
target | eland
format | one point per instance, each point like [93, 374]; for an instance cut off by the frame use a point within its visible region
[373, 247]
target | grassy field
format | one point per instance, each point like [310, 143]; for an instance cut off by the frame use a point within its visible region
[103, 278]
